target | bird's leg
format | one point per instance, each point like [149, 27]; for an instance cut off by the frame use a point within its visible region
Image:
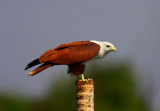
[83, 79]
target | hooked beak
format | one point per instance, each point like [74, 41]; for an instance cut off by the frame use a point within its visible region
[114, 49]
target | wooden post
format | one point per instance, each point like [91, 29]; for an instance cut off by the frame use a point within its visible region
[85, 95]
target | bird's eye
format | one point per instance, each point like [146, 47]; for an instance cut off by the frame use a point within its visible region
[108, 46]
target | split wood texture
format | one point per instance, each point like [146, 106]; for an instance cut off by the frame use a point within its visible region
[85, 95]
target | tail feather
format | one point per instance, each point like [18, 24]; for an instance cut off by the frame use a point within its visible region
[33, 63]
[40, 68]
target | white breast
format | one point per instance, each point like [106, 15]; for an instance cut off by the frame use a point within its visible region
[102, 52]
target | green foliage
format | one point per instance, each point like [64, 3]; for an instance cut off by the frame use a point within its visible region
[8, 103]
[115, 90]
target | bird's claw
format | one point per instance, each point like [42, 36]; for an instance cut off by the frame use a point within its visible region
[83, 79]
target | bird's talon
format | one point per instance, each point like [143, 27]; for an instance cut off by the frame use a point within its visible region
[83, 79]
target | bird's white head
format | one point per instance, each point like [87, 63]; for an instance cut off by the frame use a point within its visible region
[106, 47]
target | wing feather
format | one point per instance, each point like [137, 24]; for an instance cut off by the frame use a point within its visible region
[74, 52]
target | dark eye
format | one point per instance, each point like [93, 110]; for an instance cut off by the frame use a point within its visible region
[108, 46]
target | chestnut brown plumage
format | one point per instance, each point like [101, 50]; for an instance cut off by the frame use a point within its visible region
[73, 54]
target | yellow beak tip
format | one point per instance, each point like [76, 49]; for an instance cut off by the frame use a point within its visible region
[114, 49]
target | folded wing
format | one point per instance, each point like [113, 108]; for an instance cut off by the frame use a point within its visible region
[74, 52]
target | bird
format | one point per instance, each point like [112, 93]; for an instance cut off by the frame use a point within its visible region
[74, 54]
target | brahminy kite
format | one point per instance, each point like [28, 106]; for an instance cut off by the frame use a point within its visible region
[74, 54]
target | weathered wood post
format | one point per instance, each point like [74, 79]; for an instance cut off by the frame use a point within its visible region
[85, 95]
